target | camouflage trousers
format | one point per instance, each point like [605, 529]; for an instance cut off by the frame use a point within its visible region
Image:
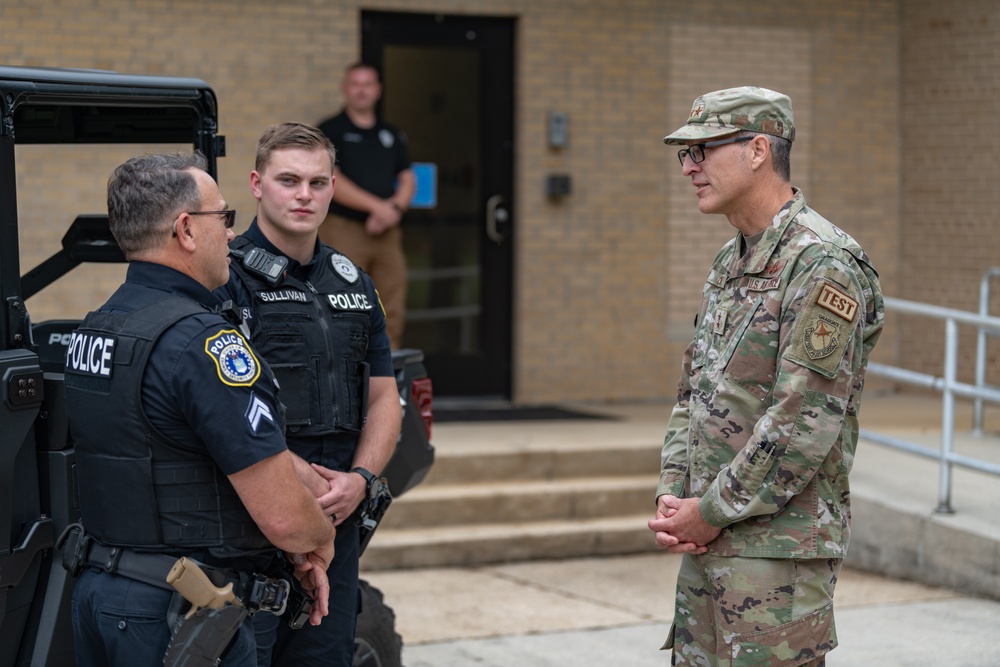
[750, 612]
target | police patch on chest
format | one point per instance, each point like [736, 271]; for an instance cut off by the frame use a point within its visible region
[822, 336]
[349, 301]
[234, 360]
[344, 267]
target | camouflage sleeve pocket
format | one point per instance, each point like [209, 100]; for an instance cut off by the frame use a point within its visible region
[823, 329]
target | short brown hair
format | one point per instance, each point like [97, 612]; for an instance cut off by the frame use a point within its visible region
[291, 135]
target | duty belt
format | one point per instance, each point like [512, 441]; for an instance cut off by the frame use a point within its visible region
[255, 591]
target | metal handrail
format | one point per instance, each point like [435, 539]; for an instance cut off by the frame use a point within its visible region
[949, 387]
[985, 285]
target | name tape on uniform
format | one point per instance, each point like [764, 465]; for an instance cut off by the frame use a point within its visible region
[284, 295]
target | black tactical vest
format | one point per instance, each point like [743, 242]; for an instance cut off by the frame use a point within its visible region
[137, 487]
[314, 334]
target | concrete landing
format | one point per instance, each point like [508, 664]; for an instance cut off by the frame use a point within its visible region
[615, 610]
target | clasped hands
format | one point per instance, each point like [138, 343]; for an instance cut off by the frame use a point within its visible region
[382, 217]
[679, 526]
[341, 495]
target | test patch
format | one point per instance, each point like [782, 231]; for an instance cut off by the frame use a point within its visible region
[837, 302]
[235, 362]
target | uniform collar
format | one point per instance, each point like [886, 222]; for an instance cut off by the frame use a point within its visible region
[167, 279]
[768, 243]
[256, 237]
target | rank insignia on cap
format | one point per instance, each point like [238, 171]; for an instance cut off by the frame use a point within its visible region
[822, 336]
[837, 301]
[344, 267]
[235, 362]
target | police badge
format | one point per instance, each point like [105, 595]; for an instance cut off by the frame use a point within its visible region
[344, 267]
[235, 362]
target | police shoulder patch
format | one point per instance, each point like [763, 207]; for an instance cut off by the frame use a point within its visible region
[344, 267]
[234, 360]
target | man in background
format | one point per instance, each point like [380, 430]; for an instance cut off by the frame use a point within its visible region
[374, 187]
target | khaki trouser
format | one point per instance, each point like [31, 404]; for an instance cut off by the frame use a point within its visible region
[382, 258]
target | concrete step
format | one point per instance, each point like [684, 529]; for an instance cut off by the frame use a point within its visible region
[518, 501]
[479, 544]
[540, 461]
[506, 499]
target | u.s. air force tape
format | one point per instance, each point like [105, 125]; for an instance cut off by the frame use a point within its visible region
[234, 360]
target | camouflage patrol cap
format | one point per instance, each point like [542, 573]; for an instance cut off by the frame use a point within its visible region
[734, 109]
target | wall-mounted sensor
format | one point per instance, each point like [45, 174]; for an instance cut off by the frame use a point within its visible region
[558, 129]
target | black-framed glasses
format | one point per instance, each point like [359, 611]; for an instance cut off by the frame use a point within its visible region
[228, 217]
[697, 152]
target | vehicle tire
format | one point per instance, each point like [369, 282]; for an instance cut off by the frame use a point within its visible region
[376, 643]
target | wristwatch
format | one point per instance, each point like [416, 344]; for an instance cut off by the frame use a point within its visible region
[367, 474]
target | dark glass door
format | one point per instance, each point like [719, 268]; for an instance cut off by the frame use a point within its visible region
[449, 84]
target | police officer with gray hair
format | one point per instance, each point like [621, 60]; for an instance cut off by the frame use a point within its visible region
[177, 430]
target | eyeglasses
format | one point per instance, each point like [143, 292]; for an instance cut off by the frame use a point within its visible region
[228, 217]
[697, 152]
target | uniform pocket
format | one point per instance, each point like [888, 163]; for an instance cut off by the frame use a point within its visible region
[787, 645]
[295, 392]
[753, 352]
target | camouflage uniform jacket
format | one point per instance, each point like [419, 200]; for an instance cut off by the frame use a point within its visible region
[766, 421]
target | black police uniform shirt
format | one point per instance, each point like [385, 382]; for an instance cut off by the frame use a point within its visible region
[165, 397]
[332, 449]
[186, 394]
[370, 157]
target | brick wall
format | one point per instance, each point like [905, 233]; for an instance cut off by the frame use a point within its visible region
[950, 140]
[607, 280]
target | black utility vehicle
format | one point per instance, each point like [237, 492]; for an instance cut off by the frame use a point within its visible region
[37, 486]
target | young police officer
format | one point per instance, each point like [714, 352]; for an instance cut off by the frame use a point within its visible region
[753, 482]
[178, 435]
[320, 325]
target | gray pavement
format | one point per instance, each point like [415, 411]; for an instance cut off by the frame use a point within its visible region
[616, 611]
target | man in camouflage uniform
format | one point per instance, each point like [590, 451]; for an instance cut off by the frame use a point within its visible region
[753, 483]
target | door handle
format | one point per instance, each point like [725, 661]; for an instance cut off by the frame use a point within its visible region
[496, 212]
